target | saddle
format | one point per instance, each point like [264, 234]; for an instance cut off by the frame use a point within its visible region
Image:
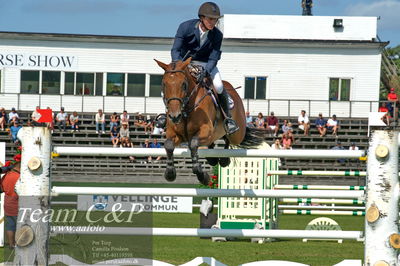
[195, 71]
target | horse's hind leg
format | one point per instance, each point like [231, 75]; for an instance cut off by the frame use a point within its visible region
[225, 161]
[196, 168]
[212, 160]
[170, 172]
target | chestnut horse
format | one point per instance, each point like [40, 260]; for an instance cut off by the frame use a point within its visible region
[193, 117]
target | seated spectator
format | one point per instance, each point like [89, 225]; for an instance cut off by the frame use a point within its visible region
[114, 136]
[12, 116]
[394, 100]
[386, 117]
[333, 125]
[272, 124]
[260, 122]
[286, 142]
[61, 119]
[35, 117]
[124, 132]
[74, 121]
[141, 122]
[339, 147]
[127, 143]
[304, 122]
[147, 144]
[159, 125]
[100, 122]
[155, 144]
[14, 131]
[3, 119]
[276, 145]
[124, 118]
[320, 124]
[249, 120]
[114, 120]
[50, 125]
[353, 147]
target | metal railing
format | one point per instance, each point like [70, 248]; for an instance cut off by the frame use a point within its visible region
[150, 105]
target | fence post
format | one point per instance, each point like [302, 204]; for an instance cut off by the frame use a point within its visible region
[382, 210]
[33, 189]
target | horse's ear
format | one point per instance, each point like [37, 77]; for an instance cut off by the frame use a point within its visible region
[186, 62]
[161, 64]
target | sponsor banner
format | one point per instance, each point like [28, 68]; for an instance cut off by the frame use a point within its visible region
[135, 203]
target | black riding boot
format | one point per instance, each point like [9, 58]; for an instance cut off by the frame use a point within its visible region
[229, 124]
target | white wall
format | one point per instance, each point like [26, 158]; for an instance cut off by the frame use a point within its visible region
[294, 71]
[298, 27]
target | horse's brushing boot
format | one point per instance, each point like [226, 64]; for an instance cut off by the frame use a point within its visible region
[229, 124]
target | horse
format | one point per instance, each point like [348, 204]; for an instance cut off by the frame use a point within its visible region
[193, 116]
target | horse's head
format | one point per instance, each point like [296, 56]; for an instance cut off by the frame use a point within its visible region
[175, 86]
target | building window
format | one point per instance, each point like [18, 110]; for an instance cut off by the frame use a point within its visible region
[339, 89]
[115, 84]
[136, 85]
[30, 82]
[255, 87]
[84, 83]
[69, 83]
[155, 85]
[51, 82]
[99, 84]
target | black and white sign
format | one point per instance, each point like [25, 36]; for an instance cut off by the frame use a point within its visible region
[35, 61]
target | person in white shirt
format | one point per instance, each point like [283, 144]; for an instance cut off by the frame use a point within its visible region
[100, 122]
[13, 116]
[61, 119]
[74, 122]
[124, 118]
[304, 122]
[333, 125]
[353, 147]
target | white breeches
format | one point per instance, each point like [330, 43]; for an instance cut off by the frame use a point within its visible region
[215, 75]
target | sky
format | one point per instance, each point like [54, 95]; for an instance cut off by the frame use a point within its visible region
[160, 18]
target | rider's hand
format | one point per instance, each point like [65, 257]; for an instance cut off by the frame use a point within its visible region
[202, 75]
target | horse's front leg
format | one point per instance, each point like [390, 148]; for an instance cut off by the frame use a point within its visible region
[170, 172]
[196, 168]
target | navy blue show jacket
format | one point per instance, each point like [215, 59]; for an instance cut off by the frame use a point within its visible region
[187, 38]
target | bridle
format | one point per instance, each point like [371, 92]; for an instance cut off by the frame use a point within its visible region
[184, 100]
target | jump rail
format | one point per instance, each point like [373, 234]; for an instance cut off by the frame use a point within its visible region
[198, 192]
[181, 152]
[150, 231]
[321, 187]
[318, 173]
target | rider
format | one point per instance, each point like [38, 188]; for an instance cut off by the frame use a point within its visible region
[201, 40]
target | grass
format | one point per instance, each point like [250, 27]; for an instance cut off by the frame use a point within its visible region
[179, 250]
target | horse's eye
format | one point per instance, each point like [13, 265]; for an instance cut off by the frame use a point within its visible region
[184, 86]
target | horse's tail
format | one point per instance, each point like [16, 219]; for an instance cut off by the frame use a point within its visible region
[253, 137]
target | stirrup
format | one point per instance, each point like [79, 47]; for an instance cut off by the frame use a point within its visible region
[230, 126]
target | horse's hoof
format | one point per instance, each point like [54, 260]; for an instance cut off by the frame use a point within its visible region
[212, 161]
[203, 178]
[224, 162]
[170, 174]
[197, 169]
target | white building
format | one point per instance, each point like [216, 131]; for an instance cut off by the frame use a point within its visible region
[281, 63]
